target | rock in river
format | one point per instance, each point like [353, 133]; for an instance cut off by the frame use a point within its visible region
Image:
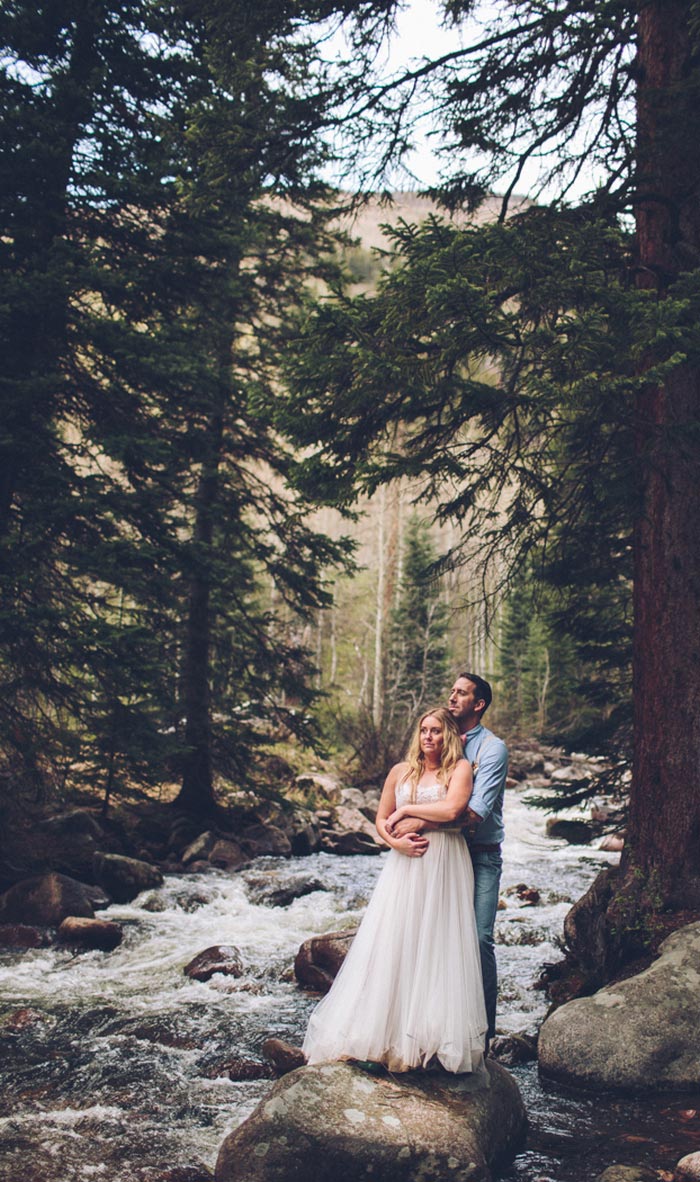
[45, 900]
[125, 878]
[220, 958]
[335, 1123]
[318, 959]
[101, 934]
[641, 1034]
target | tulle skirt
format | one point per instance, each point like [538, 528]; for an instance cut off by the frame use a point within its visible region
[409, 993]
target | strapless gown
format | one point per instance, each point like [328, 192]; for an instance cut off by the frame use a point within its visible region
[409, 993]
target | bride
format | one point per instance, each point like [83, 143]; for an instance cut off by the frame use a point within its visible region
[409, 993]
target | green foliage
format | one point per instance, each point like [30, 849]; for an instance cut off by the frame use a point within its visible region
[417, 639]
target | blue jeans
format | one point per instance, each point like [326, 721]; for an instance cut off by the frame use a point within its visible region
[487, 876]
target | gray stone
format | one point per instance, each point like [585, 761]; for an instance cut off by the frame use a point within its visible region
[334, 1122]
[125, 878]
[639, 1035]
[45, 900]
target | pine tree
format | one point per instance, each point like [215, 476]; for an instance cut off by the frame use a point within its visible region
[591, 330]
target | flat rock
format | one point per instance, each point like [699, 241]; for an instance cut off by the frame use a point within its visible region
[45, 900]
[318, 959]
[220, 958]
[125, 878]
[637, 1035]
[334, 1122]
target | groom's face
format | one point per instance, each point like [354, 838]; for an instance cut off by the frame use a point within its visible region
[464, 705]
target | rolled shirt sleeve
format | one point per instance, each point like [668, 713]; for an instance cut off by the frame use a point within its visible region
[489, 786]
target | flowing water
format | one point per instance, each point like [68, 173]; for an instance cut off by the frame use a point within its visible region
[116, 1066]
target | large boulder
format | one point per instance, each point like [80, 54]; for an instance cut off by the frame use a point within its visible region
[318, 959]
[45, 900]
[335, 1123]
[641, 1034]
[125, 878]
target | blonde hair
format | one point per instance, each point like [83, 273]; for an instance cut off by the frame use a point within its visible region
[452, 749]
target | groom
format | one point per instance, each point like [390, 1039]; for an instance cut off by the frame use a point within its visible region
[469, 700]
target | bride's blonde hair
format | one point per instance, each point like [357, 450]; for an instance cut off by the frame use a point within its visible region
[452, 750]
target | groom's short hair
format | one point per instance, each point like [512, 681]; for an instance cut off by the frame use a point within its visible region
[483, 689]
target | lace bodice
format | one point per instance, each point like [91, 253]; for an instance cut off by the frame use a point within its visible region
[425, 795]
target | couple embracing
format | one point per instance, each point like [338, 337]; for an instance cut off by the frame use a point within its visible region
[418, 986]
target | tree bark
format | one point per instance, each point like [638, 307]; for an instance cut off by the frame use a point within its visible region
[197, 792]
[664, 823]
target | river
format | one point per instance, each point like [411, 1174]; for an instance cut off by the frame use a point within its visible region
[119, 1068]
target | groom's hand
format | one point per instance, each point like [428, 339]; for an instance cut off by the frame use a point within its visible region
[471, 821]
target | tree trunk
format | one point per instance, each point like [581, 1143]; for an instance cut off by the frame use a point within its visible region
[197, 792]
[664, 822]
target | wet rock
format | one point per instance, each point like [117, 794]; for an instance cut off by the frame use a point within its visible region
[125, 878]
[100, 934]
[226, 855]
[45, 900]
[23, 1019]
[162, 1029]
[511, 1049]
[335, 1123]
[284, 895]
[318, 959]
[283, 1056]
[21, 935]
[575, 832]
[641, 1034]
[240, 1070]
[612, 842]
[259, 840]
[200, 848]
[688, 1168]
[220, 958]
[628, 1174]
[525, 893]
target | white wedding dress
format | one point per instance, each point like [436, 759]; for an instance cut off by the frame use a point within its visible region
[409, 992]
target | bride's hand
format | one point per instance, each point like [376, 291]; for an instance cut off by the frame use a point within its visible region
[393, 819]
[413, 845]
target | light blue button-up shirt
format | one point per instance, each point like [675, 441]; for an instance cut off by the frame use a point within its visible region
[489, 782]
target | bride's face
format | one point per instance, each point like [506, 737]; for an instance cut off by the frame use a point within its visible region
[432, 738]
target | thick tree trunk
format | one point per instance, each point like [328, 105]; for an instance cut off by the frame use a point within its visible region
[664, 823]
